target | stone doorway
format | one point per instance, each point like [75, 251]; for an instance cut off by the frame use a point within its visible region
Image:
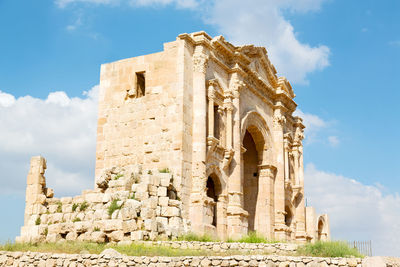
[250, 179]
[215, 207]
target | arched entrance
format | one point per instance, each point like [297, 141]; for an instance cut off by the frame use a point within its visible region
[215, 207]
[322, 235]
[250, 179]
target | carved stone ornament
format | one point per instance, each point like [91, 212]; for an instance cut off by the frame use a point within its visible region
[279, 120]
[200, 61]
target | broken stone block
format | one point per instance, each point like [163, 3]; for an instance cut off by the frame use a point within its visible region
[170, 212]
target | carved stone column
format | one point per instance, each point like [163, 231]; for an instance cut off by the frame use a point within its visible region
[295, 153]
[236, 214]
[197, 209]
[265, 201]
[211, 97]
[229, 109]
[287, 162]
[279, 121]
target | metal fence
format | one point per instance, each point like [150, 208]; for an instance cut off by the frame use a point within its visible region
[363, 247]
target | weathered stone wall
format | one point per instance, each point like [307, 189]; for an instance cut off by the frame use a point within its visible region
[146, 207]
[262, 248]
[52, 260]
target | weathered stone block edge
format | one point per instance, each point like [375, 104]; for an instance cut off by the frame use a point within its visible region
[51, 259]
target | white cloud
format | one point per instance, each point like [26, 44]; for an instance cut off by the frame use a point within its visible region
[6, 100]
[314, 127]
[177, 3]
[333, 140]
[64, 3]
[60, 128]
[259, 22]
[357, 211]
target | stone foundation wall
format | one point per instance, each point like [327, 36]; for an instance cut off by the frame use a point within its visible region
[146, 207]
[50, 260]
[262, 248]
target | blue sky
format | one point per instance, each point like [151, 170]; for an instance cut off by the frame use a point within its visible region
[342, 58]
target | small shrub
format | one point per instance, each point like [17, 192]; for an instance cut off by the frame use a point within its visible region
[165, 170]
[113, 207]
[37, 222]
[96, 229]
[195, 237]
[132, 196]
[119, 175]
[74, 207]
[149, 172]
[252, 237]
[76, 219]
[59, 207]
[46, 231]
[83, 206]
[328, 249]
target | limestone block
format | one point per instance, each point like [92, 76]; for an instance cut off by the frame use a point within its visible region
[111, 225]
[141, 195]
[38, 209]
[170, 211]
[53, 237]
[56, 217]
[163, 201]
[116, 236]
[49, 192]
[175, 223]
[127, 214]
[66, 200]
[134, 187]
[137, 235]
[115, 214]
[150, 225]
[81, 227]
[129, 226]
[71, 236]
[98, 237]
[174, 203]
[98, 214]
[162, 224]
[165, 179]
[106, 198]
[133, 204]
[162, 191]
[152, 190]
[94, 198]
[147, 213]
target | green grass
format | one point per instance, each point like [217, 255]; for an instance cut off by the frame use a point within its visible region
[113, 207]
[76, 219]
[84, 205]
[195, 237]
[75, 206]
[164, 170]
[252, 237]
[328, 249]
[37, 221]
[59, 207]
[135, 249]
[119, 175]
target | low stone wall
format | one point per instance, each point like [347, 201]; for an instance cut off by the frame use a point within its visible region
[73, 260]
[262, 248]
[145, 204]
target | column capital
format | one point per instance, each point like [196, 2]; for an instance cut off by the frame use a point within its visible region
[200, 62]
[267, 170]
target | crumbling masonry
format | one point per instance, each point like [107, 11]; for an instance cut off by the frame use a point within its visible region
[200, 137]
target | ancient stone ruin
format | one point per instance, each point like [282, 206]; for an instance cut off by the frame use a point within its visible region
[199, 138]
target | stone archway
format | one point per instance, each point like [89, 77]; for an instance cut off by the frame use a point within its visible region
[250, 179]
[256, 181]
[215, 207]
[322, 233]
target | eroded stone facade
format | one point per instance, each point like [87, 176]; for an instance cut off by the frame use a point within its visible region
[217, 119]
